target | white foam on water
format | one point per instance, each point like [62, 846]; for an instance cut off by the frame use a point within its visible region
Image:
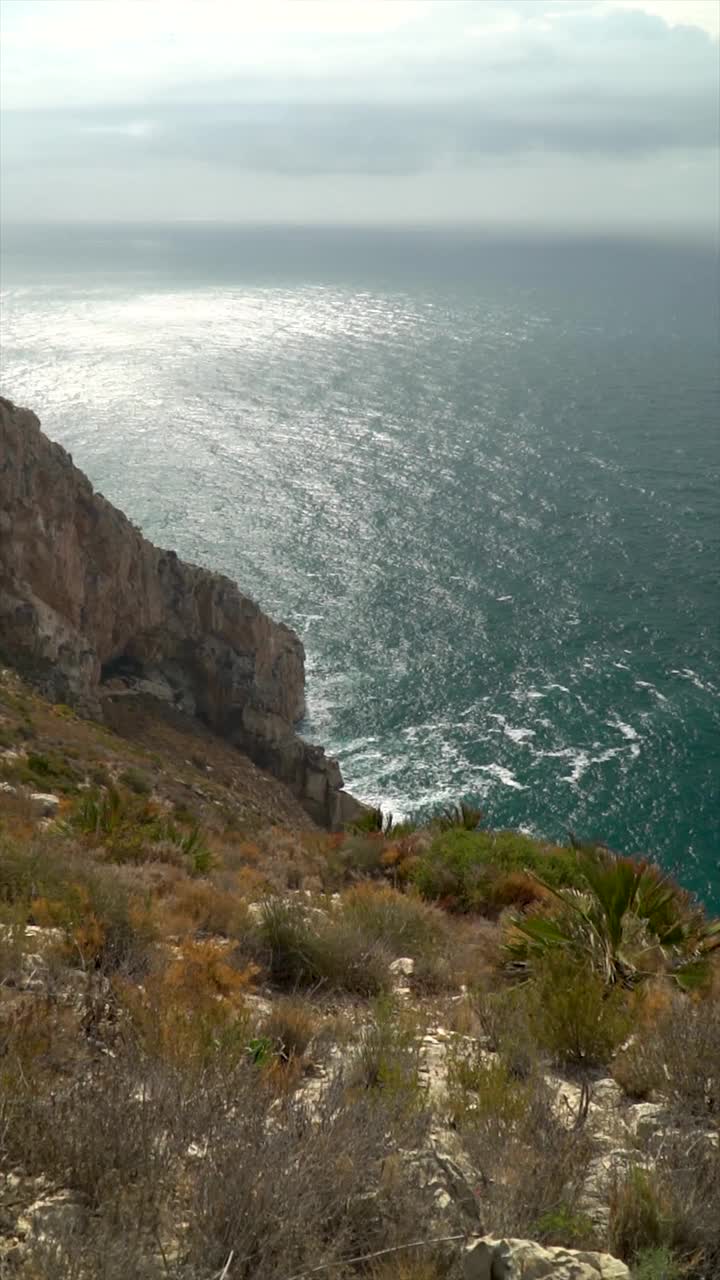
[626, 730]
[693, 677]
[360, 756]
[582, 760]
[506, 776]
[526, 695]
[518, 735]
[645, 684]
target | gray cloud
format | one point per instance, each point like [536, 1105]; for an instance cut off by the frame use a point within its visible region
[373, 138]
[435, 98]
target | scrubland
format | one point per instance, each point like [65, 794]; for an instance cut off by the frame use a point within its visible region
[234, 1045]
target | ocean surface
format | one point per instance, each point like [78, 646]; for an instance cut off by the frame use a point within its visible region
[479, 476]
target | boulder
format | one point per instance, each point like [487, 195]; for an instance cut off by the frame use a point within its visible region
[490, 1259]
[46, 804]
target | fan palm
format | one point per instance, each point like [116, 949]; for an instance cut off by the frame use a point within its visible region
[629, 922]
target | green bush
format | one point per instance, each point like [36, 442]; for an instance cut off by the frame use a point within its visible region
[506, 1019]
[574, 1016]
[459, 867]
[137, 781]
[479, 1087]
[400, 922]
[657, 1263]
[44, 771]
[565, 1226]
[302, 947]
[388, 1054]
[640, 1216]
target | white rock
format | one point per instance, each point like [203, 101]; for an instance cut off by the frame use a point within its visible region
[491, 1259]
[647, 1119]
[47, 803]
[403, 967]
[52, 1215]
[8, 789]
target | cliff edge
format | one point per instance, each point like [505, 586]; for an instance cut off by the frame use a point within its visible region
[89, 609]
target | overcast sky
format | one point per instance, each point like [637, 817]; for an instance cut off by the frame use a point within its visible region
[549, 114]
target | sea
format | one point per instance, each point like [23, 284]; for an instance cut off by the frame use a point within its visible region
[477, 473]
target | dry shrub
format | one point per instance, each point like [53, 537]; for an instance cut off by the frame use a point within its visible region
[290, 1027]
[103, 930]
[512, 889]
[13, 947]
[673, 1206]
[114, 1138]
[688, 1165]
[678, 1055]
[403, 925]
[506, 1021]
[410, 1265]
[192, 1011]
[18, 815]
[276, 859]
[251, 884]
[284, 859]
[248, 851]
[89, 1249]
[199, 906]
[98, 1136]
[39, 1041]
[134, 850]
[283, 1197]
[387, 1056]
[640, 1214]
[106, 927]
[302, 946]
[511, 1131]
[361, 856]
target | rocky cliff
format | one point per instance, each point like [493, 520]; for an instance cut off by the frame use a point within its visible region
[90, 609]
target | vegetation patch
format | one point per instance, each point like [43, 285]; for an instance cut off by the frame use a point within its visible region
[477, 870]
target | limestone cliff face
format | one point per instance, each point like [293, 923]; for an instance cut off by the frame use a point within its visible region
[88, 605]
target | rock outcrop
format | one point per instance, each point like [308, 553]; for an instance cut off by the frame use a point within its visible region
[90, 609]
[490, 1259]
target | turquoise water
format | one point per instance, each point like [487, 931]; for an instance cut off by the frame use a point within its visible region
[479, 478]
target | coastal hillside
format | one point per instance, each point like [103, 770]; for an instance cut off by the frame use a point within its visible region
[253, 1030]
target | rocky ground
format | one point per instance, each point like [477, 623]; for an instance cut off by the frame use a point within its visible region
[234, 1045]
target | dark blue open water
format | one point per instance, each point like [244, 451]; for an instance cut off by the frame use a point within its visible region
[480, 478]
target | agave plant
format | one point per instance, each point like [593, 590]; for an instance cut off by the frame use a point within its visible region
[99, 812]
[628, 923]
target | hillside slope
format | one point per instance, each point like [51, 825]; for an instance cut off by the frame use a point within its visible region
[233, 1044]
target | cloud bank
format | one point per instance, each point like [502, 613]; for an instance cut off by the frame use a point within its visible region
[586, 113]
